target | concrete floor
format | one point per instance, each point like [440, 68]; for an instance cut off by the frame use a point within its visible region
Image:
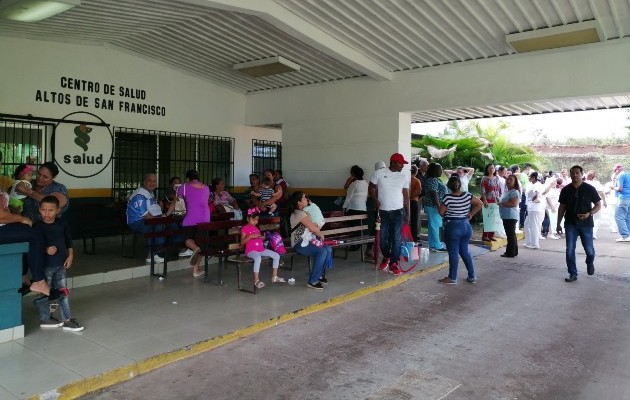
[520, 333]
[132, 323]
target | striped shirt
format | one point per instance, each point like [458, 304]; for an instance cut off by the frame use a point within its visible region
[457, 206]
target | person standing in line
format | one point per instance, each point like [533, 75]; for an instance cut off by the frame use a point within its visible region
[355, 202]
[536, 204]
[435, 191]
[356, 192]
[196, 195]
[389, 187]
[566, 179]
[371, 205]
[508, 210]
[622, 215]
[490, 194]
[465, 175]
[591, 179]
[415, 188]
[612, 197]
[457, 212]
[523, 180]
[578, 203]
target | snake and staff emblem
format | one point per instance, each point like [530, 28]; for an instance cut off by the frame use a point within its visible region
[82, 138]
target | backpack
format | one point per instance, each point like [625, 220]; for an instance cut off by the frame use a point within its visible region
[275, 242]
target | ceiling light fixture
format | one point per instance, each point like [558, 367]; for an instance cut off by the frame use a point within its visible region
[34, 10]
[556, 37]
[267, 66]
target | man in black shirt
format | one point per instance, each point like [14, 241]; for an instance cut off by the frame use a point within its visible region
[578, 202]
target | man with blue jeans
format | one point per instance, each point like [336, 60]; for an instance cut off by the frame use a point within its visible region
[389, 187]
[143, 205]
[622, 215]
[578, 202]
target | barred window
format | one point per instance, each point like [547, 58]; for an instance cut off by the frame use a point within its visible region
[23, 142]
[266, 155]
[168, 154]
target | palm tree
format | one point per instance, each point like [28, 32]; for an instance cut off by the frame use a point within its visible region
[475, 146]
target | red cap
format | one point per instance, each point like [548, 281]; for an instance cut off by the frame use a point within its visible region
[618, 166]
[397, 157]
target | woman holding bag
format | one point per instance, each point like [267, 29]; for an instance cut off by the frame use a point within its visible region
[456, 210]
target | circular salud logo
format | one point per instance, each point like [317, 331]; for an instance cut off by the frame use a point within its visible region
[82, 144]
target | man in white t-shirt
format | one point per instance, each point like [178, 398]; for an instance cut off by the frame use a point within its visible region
[389, 187]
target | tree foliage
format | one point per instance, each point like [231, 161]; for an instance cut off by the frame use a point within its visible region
[477, 146]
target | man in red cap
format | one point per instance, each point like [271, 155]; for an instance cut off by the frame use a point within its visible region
[389, 187]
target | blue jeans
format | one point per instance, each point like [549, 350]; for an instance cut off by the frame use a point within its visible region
[622, 217]
[391, 229]
[434, 224]
[319, 255]
[457, 234]
[141, 227]
[571, 232]
[56, 279]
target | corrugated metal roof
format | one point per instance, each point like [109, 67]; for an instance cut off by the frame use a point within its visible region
[330, 39]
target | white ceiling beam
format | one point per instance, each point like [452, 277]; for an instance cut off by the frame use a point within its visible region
[302, 30]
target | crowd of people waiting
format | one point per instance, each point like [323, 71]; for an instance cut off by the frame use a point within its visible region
[511, 199]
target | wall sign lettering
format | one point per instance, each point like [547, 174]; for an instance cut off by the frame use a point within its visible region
[101, 96]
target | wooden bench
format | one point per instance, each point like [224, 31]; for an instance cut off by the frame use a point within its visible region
[99, 220]
[343, 231]
[223, 241]
[169, 228]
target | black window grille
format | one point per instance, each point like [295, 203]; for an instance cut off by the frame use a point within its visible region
[23, 142]
[167, 154]
[266, 155]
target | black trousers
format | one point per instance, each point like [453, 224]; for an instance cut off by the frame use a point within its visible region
[414, 219]
[510, 231]
[16, 233]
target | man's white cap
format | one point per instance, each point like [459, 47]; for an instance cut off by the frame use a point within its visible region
[379, 165]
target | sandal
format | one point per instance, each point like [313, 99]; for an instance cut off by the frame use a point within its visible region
[259, 284]
[278, 279]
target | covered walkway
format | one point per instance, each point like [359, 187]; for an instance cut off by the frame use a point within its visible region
[520, 333]
[132, 325]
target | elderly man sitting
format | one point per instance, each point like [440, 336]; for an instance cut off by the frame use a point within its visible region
[143, 205]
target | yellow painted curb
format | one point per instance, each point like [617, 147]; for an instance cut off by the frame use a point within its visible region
[127, 372]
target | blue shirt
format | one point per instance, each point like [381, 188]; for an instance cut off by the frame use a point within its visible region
[509, 212]
[141, 203]
[624, 182]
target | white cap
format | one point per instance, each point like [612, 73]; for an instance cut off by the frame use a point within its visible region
[379, 165]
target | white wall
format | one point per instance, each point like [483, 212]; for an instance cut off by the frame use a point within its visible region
[192, 105]
[358, 118]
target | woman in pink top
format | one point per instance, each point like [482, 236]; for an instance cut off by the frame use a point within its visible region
[196, 196]
[255, 248]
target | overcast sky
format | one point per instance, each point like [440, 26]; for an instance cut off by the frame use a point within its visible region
[557, 126]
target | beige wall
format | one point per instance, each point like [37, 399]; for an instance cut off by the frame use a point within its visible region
[192, 105]
[358, 117]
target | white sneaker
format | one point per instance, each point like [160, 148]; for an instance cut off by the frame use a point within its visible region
[157, 259]
[186, 253]
[542, 238]
[518, 231]
[553, 236]
[622, 239]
